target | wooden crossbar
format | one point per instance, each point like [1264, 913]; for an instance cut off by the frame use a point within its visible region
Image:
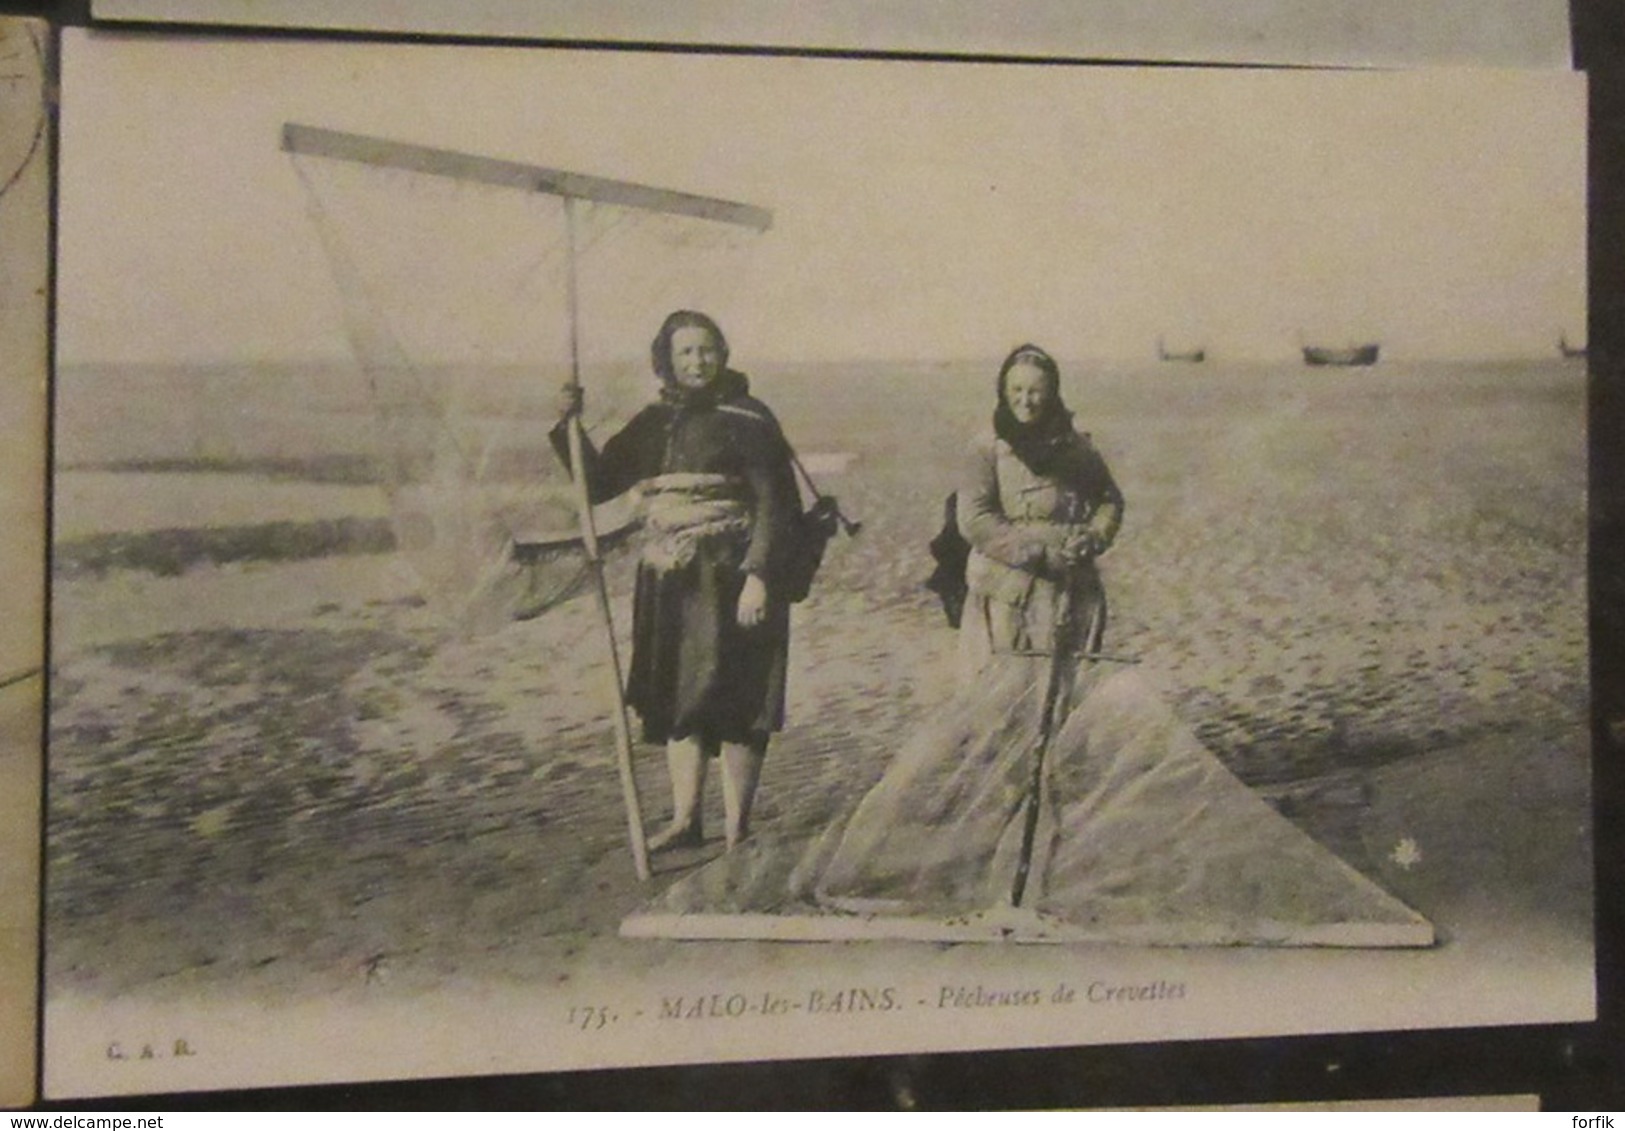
[315, 141]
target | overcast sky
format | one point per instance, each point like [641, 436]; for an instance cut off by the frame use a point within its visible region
[920, 210]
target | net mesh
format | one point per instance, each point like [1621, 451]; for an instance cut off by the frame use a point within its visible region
[456, 301]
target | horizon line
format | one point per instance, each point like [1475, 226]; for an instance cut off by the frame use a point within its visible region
[779, 361]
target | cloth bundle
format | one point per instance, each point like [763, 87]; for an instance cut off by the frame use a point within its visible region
[684, 511]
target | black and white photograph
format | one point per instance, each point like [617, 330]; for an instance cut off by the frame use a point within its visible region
[576, 559]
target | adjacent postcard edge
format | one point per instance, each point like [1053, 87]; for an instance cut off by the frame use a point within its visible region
[1512, 38]
[25, 249]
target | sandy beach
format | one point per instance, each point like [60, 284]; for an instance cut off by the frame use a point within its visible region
[274, 780]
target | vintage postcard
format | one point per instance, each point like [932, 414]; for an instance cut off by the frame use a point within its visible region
[24, 274]
[376, 753]
[1343, 33]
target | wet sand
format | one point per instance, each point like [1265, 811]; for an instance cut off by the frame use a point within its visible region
[1368, 599]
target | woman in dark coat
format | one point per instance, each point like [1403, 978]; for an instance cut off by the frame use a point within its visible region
[710, 625]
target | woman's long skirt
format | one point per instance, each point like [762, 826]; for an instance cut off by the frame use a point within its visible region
[695, 671]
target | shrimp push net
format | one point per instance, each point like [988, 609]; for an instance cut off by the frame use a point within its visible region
[470, 290]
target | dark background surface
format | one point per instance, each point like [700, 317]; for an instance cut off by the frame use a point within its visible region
[1577, 1067]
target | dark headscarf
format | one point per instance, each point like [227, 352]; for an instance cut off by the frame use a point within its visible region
[674, 392]
[1043, 443]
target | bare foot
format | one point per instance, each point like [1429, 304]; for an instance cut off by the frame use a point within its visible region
[676, 835]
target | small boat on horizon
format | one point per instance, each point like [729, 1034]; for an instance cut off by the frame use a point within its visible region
[1341, 355]
[1195, 354]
